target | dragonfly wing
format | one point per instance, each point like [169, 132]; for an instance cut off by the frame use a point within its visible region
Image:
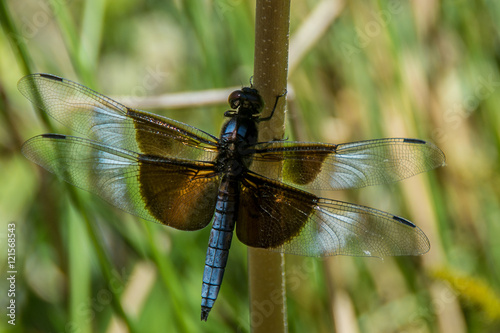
[284, 219]
[104, 120]
[320, 166]
[177, 193]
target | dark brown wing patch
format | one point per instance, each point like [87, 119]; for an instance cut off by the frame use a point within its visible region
[302, 167]
[178, 195]
[158, 136]
[264, 219]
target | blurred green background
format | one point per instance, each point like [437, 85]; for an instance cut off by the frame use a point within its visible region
[423, 69]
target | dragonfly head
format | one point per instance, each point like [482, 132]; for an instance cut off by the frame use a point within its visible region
[247, 101]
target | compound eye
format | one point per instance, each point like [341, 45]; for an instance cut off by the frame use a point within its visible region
[234, 99]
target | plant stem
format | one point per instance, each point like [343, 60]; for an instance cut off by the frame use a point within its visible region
[266, 269]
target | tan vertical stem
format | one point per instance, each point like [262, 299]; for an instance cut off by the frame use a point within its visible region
[266, 269]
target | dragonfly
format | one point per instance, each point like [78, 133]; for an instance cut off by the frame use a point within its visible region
[168, 172]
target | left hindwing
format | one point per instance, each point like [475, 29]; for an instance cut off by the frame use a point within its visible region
[178, 193]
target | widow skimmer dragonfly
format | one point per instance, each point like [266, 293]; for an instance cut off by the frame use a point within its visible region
[169, 172]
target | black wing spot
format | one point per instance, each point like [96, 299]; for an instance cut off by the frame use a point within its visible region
[54, 136]
[52, 77]
[422, 142]
[404, 221]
